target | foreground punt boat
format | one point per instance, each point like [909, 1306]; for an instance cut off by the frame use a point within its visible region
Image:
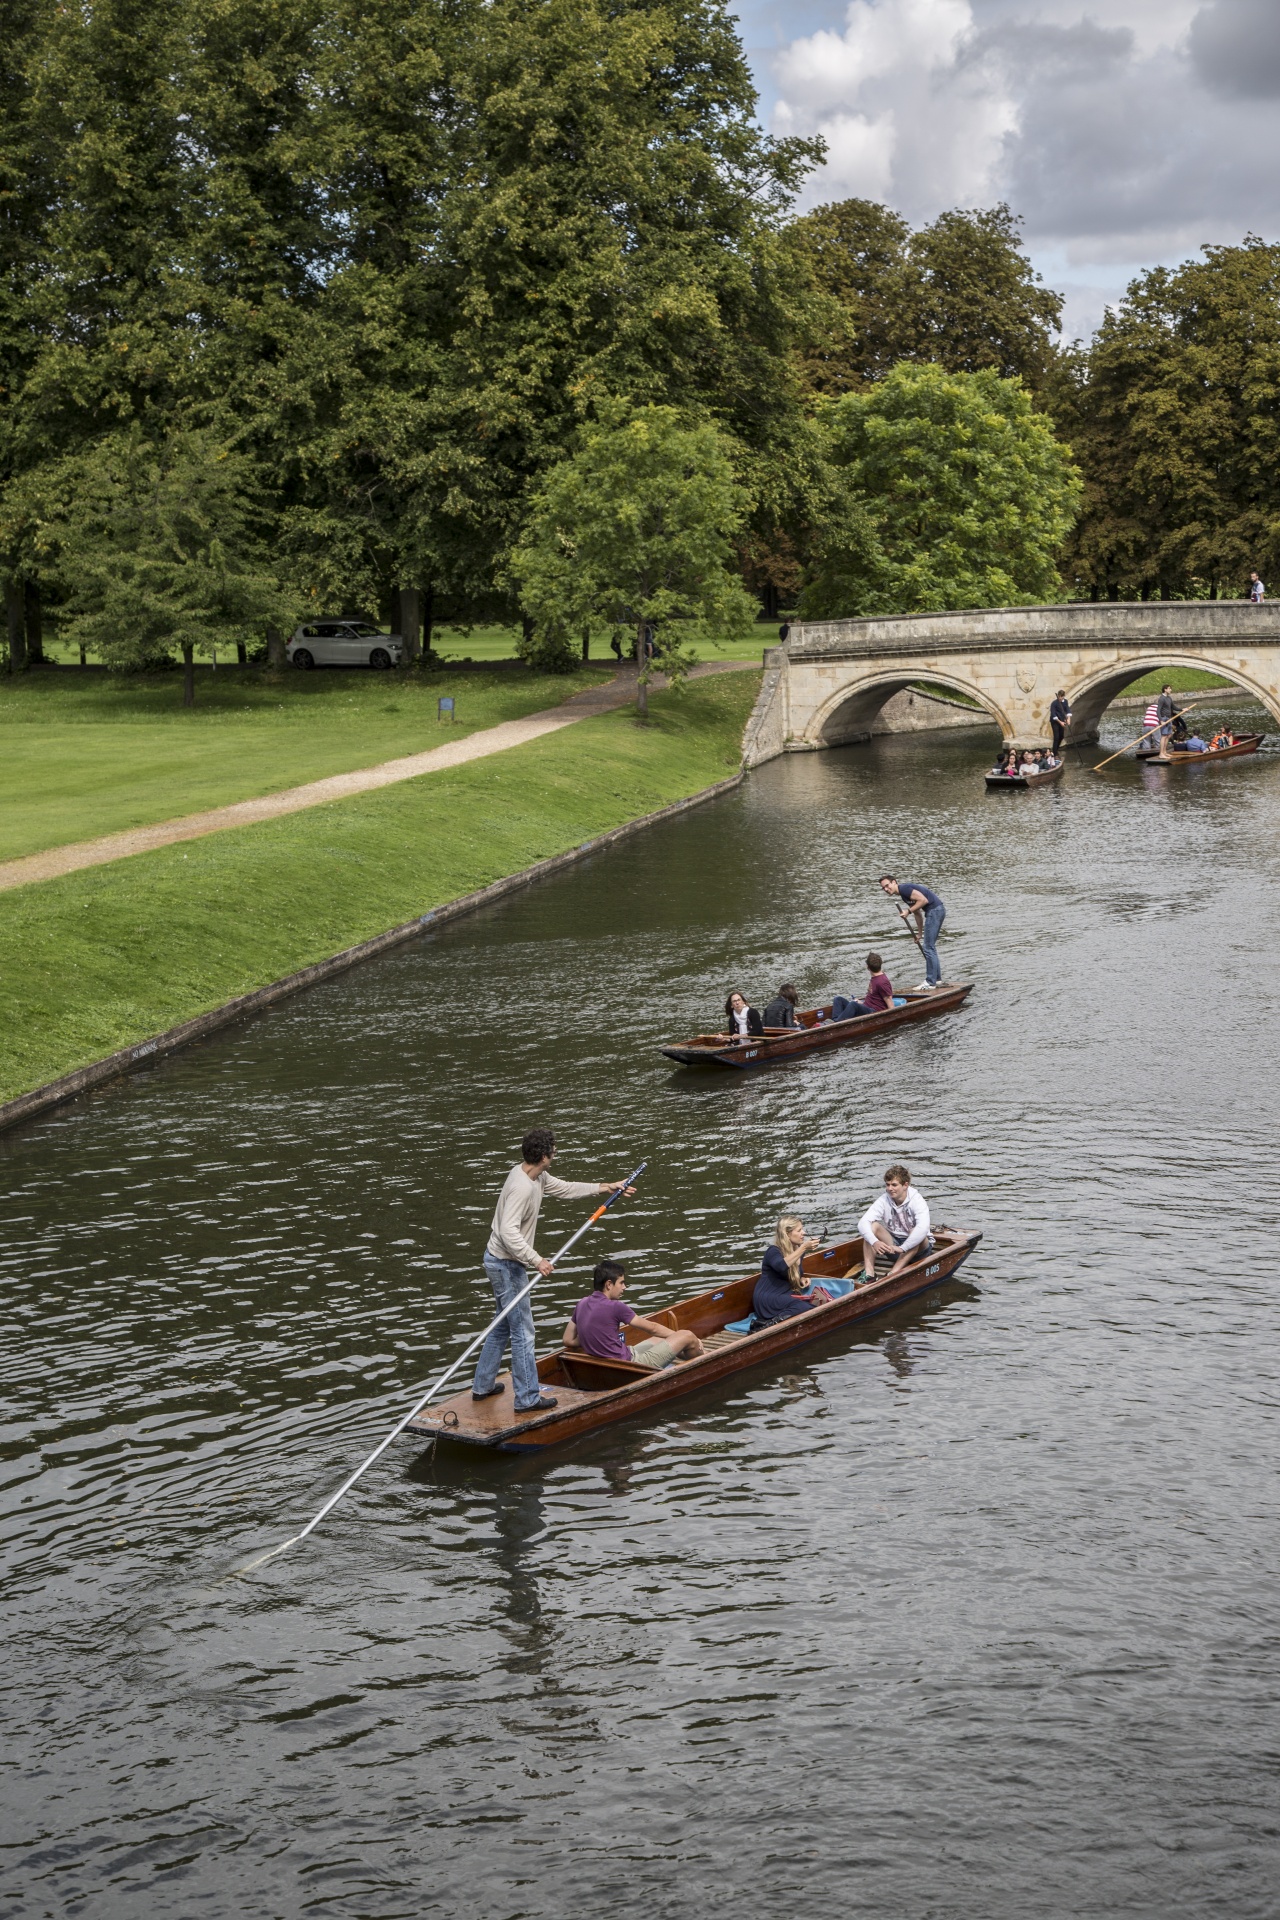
[1247, 743]
[594, 1393]
[1044, 778]
[816, 1029]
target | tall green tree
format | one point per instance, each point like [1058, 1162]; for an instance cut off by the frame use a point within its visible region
[949, 490]
[1174, 416]
[27, 199]
[607, 232]
[158, 546]
[636, 529]
[959, 293]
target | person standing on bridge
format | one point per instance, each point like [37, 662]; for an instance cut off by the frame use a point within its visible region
[926, 908]
[1257, 592]
[1059, 720]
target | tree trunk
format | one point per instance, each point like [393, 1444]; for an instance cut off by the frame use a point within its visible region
[586, 643]
[242, 653]
[275, 649]
[769, 595]
[428, 617]
[1213, 589]
[34, 622]
[642, 685]
[409, 604]
[16, 622]
[188, 674]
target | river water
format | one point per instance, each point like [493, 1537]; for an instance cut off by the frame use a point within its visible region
[971, 1613]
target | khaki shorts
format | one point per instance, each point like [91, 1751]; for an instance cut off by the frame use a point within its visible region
[652, 1353]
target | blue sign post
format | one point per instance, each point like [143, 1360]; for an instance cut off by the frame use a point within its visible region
[444, 705]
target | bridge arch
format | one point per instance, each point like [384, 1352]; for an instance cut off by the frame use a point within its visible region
[1091, 696]
[849, 713]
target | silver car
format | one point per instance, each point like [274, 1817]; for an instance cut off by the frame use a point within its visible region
[343, 643]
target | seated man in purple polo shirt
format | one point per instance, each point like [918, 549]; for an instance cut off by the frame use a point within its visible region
[598, 1321]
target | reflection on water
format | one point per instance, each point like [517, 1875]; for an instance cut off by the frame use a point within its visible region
[968, 1613]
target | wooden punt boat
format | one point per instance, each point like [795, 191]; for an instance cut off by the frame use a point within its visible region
[814, 1030]
[592, 1393]
[1247, 743]
[1044, 778]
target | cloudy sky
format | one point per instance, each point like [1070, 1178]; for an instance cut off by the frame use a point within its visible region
[1124, 133]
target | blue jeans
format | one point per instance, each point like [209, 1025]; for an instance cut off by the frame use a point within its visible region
[506, 1277]
[842, 1009]
[933, 919]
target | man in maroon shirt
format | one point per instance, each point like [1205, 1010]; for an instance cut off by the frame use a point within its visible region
[598, 1321]
[879, 994]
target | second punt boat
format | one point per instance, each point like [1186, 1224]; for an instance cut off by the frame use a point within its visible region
[815, 1030]
[592, 1393]
[1247, 743]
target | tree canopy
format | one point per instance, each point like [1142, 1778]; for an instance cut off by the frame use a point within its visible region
[635, 529]
[1174, 415]
[950, 491]
[959, 293]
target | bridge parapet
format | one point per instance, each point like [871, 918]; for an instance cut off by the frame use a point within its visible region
[826, 685]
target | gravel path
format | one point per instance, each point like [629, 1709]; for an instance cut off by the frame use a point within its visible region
[617, 692]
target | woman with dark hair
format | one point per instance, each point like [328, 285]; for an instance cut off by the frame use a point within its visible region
[744, 1021]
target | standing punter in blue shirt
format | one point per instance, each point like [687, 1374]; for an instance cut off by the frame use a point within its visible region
[923, 904]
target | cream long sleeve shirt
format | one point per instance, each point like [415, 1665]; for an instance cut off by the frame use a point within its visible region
[515, 1218]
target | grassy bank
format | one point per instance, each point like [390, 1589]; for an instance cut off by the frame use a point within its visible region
[99, 959]
[499, 643]
[82, 755]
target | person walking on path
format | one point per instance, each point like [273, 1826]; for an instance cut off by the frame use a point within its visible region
[1060, 720]
[1257, 592]
[507, 1260]
[926, 908]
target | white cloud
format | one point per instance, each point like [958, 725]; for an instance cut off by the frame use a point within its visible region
[1129, 137]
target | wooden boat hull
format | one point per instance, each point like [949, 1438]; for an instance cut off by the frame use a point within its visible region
[1045, 778]
[1249, 743]
[588, 1398]
[813, 1035]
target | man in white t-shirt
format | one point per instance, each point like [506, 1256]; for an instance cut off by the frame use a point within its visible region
[897, 1223]
[507, 1259]
[1257, 592]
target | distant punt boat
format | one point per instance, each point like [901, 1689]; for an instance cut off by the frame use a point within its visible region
[593, 1393]
[1043, 777]
[815, 1029]
[1247, 743]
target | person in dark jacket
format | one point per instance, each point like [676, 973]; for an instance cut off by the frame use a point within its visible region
[1060, 719]
[781, 1010]
[781, 1290]
[744, 1021]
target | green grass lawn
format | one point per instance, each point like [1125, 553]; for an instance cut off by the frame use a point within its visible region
[104, 957]
[499, 643]
[1181, 679]
[87, 754]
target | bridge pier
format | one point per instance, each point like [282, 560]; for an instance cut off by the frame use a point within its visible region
[826, 686]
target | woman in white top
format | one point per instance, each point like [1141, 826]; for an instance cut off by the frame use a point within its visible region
[744, 1021]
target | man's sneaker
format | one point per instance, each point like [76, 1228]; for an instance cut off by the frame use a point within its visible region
[489, 1391]
[926, 986]
[545, 1400]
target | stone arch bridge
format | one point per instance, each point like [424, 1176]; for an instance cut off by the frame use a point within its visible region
[825, 686]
